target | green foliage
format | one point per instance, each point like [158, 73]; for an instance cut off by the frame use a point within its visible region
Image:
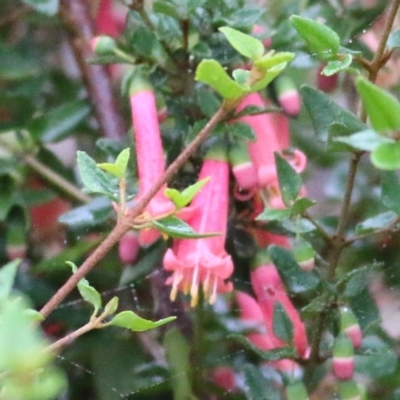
[176, 228]
[182, 199]
[289, 181]
[130, 320]
[118, 169]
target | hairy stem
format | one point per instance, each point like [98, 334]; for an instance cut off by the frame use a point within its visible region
[125, 224]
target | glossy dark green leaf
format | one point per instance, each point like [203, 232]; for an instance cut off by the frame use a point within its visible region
[297, 280]
[246, 45]
[56, 124]
[130, 320]
[94, 179]
[379, 221]
[335, 66]
[302, 204]
[324, 111]
[49, 7]
[354, 281]
[7, 277]
[88, 292]
[256, 386]
[282, 325]
[366, 140]
[207, 101]
[386, 156]
[269, 355]
[181, 199]
[176, 228]
[89, 215]
[273, 214]
[289, 180]
[390, 185]
[393, 41]
[241, 130]
[213, 74]
[377, 359]
[322, 41]
[383, 108]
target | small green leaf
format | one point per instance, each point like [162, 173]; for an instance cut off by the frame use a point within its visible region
[333, 67]
[386, 156]
[366, 140]
[301, 205]
[181, 199]
[393, 41]
[273, 214]
[382, 108]
[246, 45]
[118, 169]
[88, 293]
[34, 315]
[270, 75]
[271, 59]
[111, 306]
[130, 320]
[213, 74]
[297, 280]
[324, 112]
[94, 179]
[176, 228]
[241, 76]
[289, 180]
[207, 101]
[390, 190]
[379, 221]
[282, 325]
[123, 159]
[322, 41]
[7, 277]
[241, 130]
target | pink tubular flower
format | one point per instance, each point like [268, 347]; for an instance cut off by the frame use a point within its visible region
[204, 261]
[149, 152]
[269, 289]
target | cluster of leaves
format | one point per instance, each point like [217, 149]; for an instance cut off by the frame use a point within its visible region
[40, 109]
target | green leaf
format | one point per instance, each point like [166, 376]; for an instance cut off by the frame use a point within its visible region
[377, 359]
[322, 41]
[269, 355]
[181, 199]
[49, 7]
[118, 169]
[88, 293]
[94, 179]
[178, 356]
[256, 387]
[176, 228]
[207, 101]
[390, 190]
[57, 124]
[333, 67]
[7, 277]
[130, 320]
[366, 140]
[386, 156]
[297, 280]
[96, 212]
[272, 59]
[301, 205]
[111, 306]
[379, 221]
[289, 180]
[241, 130]
[393, 41]
[282, 325]
[270, 75]
[241, 76]
[382, 108]
[246, 45]
[34, 315]
[273, 214]
[324, 111]
[213, 74]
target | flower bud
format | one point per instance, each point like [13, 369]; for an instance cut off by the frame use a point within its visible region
[349, 390]
[129, 246]
[242, 166]
[288, 96]
[343, 357]
[225, 377]
[304, 254]
[349, 325]
[103, 45]
[326, 83]
[296, 391]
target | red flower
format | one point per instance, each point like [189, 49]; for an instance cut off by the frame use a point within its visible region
[204, 261]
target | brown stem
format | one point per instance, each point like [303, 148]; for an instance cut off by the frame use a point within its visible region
[125, 224]
[80, 29]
